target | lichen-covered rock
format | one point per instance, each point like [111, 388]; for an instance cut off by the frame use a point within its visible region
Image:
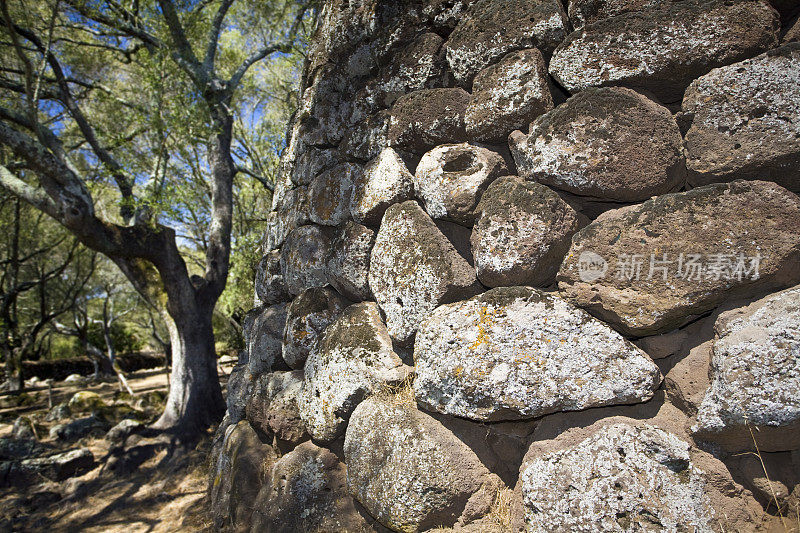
[263, 332]
[419, 65]
[237, 478]
[522, 233]
[366, 138]
[240, 383]
[492, 28]
[347, 266]
[792, 35]
[445, 14]
[451, 178]
[610, 143]
[517, 352]
[627, 476]
[56, 467]
[755, 373]
[353, 358]
[329, 194]
[663, 50]
[85, 402]
[269, 285]
[303, 258]
[746, 121]
[647, 269]
[305, 490]
[508, 96]
[307, 316]
[414, 268]
[311, 162]
[427, 118]
[583, 12]
[272, 406]
[385, 181]
[291, 212]
[410, 472]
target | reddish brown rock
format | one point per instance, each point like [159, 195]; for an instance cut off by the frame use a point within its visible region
[427, 118]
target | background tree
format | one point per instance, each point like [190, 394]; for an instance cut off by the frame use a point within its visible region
[119, 116]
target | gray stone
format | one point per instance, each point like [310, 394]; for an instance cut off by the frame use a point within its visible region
[451, 178]
[663, 50]
[272, 406]
[60, 466]
[719, 242]
[311, 162]
[347, 265]
[329, 194]
[410, 472]
[263, 331]
[240, 383]
[79, 428]
[522, 233]
[291, 212]
[303, 258]
[269, 285]
[427, 118]
[755, 377]
[307, 317]
[353, 359]
[418, 65]
[123, 430]
[305, 490]
[516, 352]
[626, 476]
[610, 144]
[414, 268]
[508, 96]
[492, 28]
[583, 12]
[745, 121]
[385, 181]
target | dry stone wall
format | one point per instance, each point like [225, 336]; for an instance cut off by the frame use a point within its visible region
[530, 266]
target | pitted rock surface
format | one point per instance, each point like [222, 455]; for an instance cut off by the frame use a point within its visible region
[329, 194]
[306, 490]
[307, 316]
[610, 143]
[292, 213]
[427, 118]
[410, 472]
[746, 121]
[663, 50]
[451, 178]
[755, 372]
[240, 383]
[582, 12]
[272, 406]
[303, 258]
[263, 331]
[625, 477]
[508, 96]
[347, 265]
[414, 268]
[522, 233]
[312, 162]
[353, 358]
[737, 239]
[517, 352]
[492, 28]
[385, 181]
[269, 285]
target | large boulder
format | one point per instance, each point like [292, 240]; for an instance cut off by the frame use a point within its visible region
[745, 121]
[663, 50]
[79, 428]
[353, 359]
[427, 118]
[517, 352]
[626, 476]
[272, 406]
[385, 181]
[522, 233]
[305, 490]
[329, 194]
[269, 285]
[56, 467]
[307, 316]
[754, 399]
[583, 12]
[347, 265]
[303, 258]
[650, 268]
[412, 473]
[492, 28]
[263, 333]
[414, 268]
[451, 178]
[610, 143]
[508, 96]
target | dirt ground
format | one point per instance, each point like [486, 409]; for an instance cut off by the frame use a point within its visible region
[165, 493]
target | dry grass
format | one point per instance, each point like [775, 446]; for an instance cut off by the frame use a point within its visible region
[500, 512]
[398, 394]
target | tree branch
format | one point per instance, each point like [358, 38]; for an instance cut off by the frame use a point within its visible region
[214, 33]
